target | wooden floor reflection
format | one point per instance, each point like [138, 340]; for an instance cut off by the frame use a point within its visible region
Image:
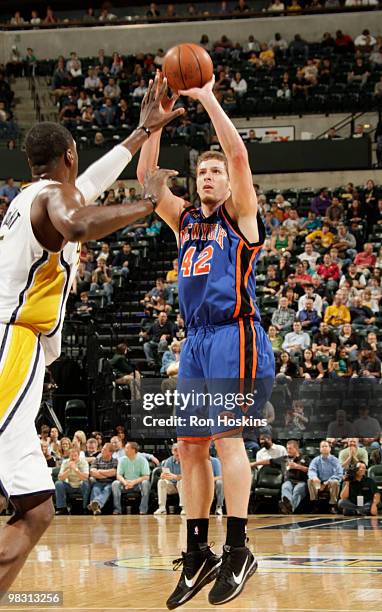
[306, 564]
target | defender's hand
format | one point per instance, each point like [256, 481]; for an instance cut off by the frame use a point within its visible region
[156, 181]
[153, 117]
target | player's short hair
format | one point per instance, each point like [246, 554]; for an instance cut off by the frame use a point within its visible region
[46, 142]
[212, 155]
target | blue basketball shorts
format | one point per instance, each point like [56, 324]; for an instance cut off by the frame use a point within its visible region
[226, 376]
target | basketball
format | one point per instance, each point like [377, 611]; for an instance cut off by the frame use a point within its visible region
[186, 66]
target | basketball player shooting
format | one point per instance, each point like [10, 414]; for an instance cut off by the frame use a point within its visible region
[39, 253]
[226, 347]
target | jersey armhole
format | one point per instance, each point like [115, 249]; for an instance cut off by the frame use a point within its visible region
[236, 229]
[183, 215]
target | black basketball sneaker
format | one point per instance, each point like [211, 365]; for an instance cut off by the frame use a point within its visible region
[238, 564]
[199, 568]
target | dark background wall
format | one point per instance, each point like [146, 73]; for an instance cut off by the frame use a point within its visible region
[269, 158]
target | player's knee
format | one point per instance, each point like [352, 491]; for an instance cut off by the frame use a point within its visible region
[228, 447]
[195, 453]
[39, 518]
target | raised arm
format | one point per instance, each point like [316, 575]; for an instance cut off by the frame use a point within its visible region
[242, 206]
[169, 207]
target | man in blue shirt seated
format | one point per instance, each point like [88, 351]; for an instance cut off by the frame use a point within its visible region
[325, 473]
[170, 481]
[9, 191]
[218, 482]
[133, 474]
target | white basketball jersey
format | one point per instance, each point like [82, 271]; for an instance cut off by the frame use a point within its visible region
[34, 282]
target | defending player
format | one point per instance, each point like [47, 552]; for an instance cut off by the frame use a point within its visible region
[218, 248]
[39, 252]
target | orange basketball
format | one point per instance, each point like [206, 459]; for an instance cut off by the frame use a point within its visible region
[186, 66]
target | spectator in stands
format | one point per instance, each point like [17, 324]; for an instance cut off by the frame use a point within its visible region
[112, 90]
[359, 73]
[124, 261]
[294, 6]
[118, 449]
[337, 314]
[54, 442]
[353, 453]
[321, 202]
[349, 341]
[91, 453]
[106, 114]
[66, 445]
[106, 15]
[285, 368]
[354, 277]
[368, 365]
[294, 488]
[281, 242]
[73, 476]
[298, 47]
[345, 242]
[152, 11]
[9, 191]
[70, 116]
[50, 17]
[309, 254]
[102, 280]
[133, 474]
[365, 41]
[49, 455]
[324, 342]
[308, 317]
[339, 429]
[159, 291]
[275, 338]
[17, 19]
[103, 471]
[30, 63]
[126, 371]
[344, 42]
[361, 315]
[92, 81]
[171, 357]
[360, 489]
[269, 453]
[89, 16]
[159, 334]
[325, 473]
[334, 212]
[365, 259]
[366, 427]
[283, 317]
[170, 481]
[140, 90]
[329, 272]
[85, 308]
[309, 293]
[276, 7]
[309, 369]
[35, 19]
[239, 84]
[296, 341]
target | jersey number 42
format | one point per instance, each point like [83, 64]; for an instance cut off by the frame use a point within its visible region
[201, 265]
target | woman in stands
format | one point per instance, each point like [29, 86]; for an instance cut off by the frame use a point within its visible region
[310, 369]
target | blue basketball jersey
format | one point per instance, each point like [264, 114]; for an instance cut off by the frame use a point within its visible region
[217, 264]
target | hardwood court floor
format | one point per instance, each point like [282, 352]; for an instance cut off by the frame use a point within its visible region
[306, 563]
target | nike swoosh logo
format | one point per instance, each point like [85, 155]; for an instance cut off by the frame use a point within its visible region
[238, 579]
[191, 583]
